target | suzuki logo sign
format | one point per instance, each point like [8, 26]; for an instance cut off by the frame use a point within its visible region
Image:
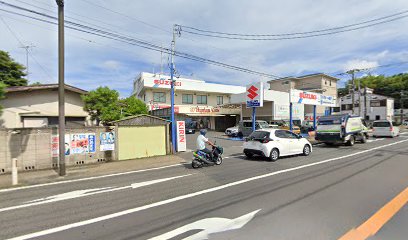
[254, 97]
[252, 92]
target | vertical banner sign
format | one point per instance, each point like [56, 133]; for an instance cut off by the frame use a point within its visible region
[181, 136]
[254, 95]
[107, 141]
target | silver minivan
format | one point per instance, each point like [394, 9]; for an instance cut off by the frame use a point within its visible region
[385, 128]
[245, 127]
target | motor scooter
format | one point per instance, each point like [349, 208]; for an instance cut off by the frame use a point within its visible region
[201, 158]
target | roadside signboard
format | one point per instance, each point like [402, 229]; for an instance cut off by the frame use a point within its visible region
[55, 145]
[311, 98]
[107, 141]
[83, 143]
[254, 95]
[181, 136]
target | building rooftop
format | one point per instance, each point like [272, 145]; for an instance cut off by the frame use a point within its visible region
[305, 76]
[149, 80]
[44, 87]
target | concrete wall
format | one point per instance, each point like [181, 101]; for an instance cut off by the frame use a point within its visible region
[32, 148]
[38, 103]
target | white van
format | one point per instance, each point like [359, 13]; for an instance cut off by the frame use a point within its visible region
[385, 128]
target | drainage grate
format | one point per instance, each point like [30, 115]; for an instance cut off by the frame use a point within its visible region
[101, 160]
[29, 167]
[79, 162]
[2, 170]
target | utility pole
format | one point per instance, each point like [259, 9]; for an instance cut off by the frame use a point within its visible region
[353, 87]
[61, 88]
[402, 94]
[365, 103]
[27, 49]
[176, 30]
[360, 112]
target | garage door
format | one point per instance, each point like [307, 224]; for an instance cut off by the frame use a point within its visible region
[141, 141]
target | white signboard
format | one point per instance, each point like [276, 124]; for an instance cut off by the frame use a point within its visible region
[254, 95]
[311, 98]
[181, 136]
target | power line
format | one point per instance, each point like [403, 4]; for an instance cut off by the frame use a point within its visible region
[296, 33]
[296, 37]
[132, 41]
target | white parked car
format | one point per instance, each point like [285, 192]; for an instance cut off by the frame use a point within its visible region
[232, 131]
[385, 128]
[275, 143]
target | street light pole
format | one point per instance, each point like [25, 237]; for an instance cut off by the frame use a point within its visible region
[61, 86]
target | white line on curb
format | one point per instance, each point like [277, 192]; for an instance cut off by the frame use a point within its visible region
[88, 178]
[190, 195]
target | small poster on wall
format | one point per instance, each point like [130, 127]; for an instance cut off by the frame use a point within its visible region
[107, 141]
[55, 145]
[82, 143]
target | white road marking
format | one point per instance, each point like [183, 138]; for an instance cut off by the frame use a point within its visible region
[190, 195]
[209, 226]
[375, 139]
[88, 178]
[85, 193]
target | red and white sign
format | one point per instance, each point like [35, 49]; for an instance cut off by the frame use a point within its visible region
[254, 95]
[166, 82]
[310, 98]
[181, 136]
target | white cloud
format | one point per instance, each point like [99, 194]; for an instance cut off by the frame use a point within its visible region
[112, 65]
[98, 61]
[359, 64]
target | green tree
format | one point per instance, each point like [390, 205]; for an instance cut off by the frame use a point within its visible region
[132, 106]
[2, 94]
[102, 104]
[11, 72]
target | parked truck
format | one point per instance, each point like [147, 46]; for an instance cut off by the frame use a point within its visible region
[344, 128]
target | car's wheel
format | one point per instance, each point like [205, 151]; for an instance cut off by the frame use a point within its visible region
[306, 150]
[363, 139]
[351, 141]
[274, 155]
[218, 161]
[329, 143]
[248, 154]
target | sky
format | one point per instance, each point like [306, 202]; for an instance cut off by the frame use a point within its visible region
[92, 61]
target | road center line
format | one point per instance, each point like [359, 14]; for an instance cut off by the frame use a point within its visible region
[190, 195]
[88, 178]
[379, 219]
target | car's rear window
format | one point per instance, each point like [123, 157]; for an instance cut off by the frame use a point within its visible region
[259, 135]
[381, 124]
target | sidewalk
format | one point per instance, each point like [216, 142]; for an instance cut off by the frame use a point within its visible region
[45, 176]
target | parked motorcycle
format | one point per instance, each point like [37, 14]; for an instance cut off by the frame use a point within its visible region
[201, 158]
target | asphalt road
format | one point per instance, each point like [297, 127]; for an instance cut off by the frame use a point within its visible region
[322, 196]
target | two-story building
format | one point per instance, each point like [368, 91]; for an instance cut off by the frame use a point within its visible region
[200, 104]
[378, 107]
[319, 83]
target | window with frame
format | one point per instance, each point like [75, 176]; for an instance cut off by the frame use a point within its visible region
[159, 97]
[220, 100]
[187, 98]
[201, 99]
